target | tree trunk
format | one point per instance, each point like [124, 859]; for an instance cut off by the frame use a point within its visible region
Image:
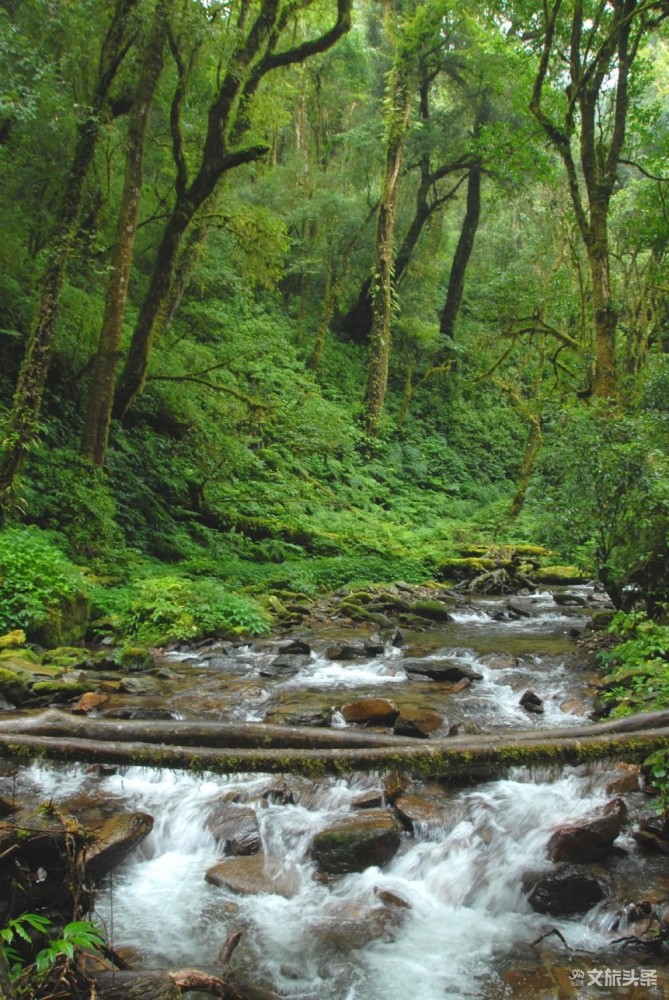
[532, 448]
[382, 288]
[606, 319]
[29, 392]
[253, 57]
[101, 393]
[461, 257]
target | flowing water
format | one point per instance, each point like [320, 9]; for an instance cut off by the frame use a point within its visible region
[448, 916]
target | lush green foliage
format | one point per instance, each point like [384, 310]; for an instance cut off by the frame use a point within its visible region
[36, 579]
[168, 608]
[30, 973]
[638, 665]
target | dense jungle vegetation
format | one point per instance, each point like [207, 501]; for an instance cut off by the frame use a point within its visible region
[296, 294]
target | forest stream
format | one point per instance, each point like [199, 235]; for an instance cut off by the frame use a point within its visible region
[445, 913]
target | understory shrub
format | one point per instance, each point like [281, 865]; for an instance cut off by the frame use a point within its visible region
[169, 608]
[37, 581]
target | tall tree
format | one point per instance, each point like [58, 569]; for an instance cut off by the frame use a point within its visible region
[593, 43]
[29, 392]
[101, 391]
[259, 30]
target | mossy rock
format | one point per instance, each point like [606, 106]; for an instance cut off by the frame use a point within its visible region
[14, 686]
[66, 657]
[12, 655]
[434, 610]
[16, 637]
[354, 610]
[467, 569]
[59, 690]
[136, 659]
[67, 624]
[559, 575]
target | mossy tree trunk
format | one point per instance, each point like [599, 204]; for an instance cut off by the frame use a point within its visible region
[400, 96]
[27, 402]
[101, 392]
[253, 57]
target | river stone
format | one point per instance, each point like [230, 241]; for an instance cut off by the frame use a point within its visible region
[254, 875]
[653, 833]
[89, 702]
[440, 670]
[371, 799]
[286, 665]
[357, 842]
[591, 838]
[347, 651]
[418, 723]
[139, 685]
[235, 829]
[626, 780]
[371, 711]
[417, 813]
[565, 889]
[499, 661]
[531, 702]
[396, 783]
[114, 839]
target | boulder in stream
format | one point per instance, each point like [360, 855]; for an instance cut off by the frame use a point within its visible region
[371, 837]
[114, 839]
[531, 702]
[439, 670]
[418, 813]
[418, 723]
[371, 711]
[254, 875]
[565, 889]
[354, 650]
[591, 838]
[286, 665]
[235, 828]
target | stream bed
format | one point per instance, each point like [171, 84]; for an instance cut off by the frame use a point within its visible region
[448, 915]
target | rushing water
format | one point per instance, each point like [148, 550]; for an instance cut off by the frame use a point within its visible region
[447, 917]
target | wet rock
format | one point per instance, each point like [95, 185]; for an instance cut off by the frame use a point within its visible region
[565, 889]
[139, 714]
[417, 723]
[499, 661]
[600, 621]
[358, 842]
[6, 807]
[417, 813]
[286, 665]
[371, 711]
[392, 898]
[567, 600]
[136, 659]
[375, 647]
[254, 875]
[591, 838]
[347, 651]
[371, 799]
[433, 610]
[89, 702]
[235, 829]
[653, 833]
[626, 780]
[13, 686]
[309, 717]
[114, 839]
[397, 638]
[440, 670]
[139, 685]
[396, 783]
[531, 702]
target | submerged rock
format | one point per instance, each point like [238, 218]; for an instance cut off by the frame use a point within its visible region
[358, 842]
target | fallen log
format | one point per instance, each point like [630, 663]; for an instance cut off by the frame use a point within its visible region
[459, 757]
[205, 733]
[196, 733]
[168, 984]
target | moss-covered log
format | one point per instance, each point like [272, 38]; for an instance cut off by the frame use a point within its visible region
[459, 757]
